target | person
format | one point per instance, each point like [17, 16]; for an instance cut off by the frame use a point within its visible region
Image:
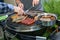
[4, 8]
[1, 0]
[26, 4]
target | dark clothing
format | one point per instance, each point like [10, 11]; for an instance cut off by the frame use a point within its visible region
[1, 0]
[28, 4]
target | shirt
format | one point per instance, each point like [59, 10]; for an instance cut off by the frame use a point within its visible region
[1, 0]
[4, 8]
[28, 4]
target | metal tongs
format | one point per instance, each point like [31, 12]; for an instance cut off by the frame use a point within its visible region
[26, 12]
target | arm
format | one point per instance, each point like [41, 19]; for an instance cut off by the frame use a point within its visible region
[35, 2]
[19, 3]
[4, 8]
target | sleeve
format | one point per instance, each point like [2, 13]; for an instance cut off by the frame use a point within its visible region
[4, 8]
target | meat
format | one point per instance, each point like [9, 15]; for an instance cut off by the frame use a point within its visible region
[28, 21]
[22, 19]
[16, 18]
[47, 18]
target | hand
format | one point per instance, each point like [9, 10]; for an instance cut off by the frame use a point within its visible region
[21, 5]
[35, 2]
[19, 10]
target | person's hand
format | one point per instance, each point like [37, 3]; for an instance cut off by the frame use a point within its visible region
[21, 5]
[19, 10]
[35, 2]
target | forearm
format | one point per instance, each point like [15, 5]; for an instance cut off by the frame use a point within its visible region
[18, 1]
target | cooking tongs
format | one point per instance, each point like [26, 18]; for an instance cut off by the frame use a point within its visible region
[26, 12]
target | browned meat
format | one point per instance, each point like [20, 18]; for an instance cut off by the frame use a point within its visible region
[28, 21]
